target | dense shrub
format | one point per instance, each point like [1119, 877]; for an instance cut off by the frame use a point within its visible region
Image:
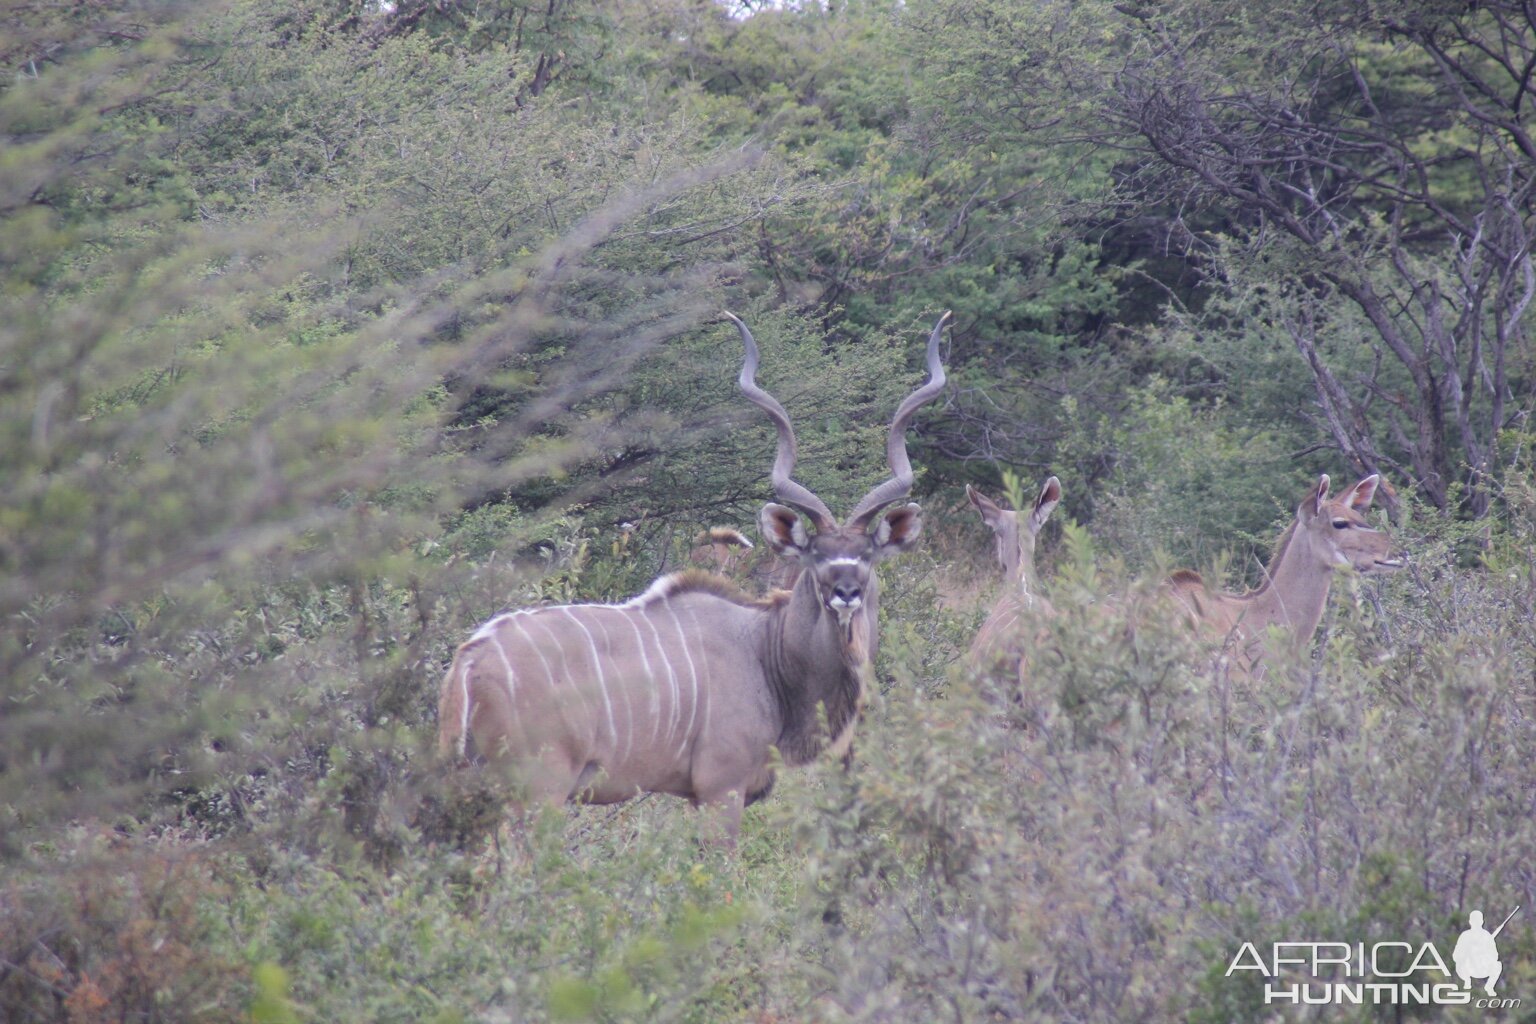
[1093, 841]
[117, 934]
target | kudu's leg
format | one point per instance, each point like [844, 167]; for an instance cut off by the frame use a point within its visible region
[724, 775]
[722, 818]
[542, 780]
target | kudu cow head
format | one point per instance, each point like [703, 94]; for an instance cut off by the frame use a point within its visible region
[1327, 534]
[720, 549]
[1016, 532]
[1333, 533]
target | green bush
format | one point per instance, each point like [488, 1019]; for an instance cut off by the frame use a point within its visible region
[329, 331]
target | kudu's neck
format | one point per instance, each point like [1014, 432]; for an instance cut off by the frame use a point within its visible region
[1021, 575]
[1294, 592]
[813, 660]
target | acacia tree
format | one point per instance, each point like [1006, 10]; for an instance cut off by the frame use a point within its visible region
[1389, 145]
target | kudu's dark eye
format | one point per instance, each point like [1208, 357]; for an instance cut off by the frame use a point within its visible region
[1341, 524]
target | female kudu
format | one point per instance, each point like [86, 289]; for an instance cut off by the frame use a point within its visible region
[1327, 534]
[998, 636]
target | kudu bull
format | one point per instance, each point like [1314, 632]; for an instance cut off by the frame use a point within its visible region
[688, 688]
[1327, 534]
[1015, 534]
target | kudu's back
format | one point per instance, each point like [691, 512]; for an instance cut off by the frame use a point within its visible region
[605, 701]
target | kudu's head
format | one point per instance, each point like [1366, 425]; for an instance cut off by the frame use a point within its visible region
[1015, 536]
[720, 549]
[1334, 531]
[840, 559]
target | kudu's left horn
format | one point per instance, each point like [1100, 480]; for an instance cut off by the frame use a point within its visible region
[788, 491]
[900, 483]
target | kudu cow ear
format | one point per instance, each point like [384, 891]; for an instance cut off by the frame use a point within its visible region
[783, 530]
[1050, 497]
[991, 513]
[1312, 504]
[898, 530]
[1360, 496]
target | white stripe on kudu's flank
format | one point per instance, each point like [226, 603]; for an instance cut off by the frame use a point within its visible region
[554, 680]
[651, 683]
[704, 691]
[597, 665]
[629, 712]
[549, 672]
[693, 677]
[703, 697]
[469, 663]
[501, 652]
[666, 660]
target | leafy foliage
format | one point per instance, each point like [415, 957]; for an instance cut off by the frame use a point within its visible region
[330, 329]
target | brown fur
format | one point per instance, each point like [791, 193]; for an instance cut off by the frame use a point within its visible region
[1327, 533]
[999, 639]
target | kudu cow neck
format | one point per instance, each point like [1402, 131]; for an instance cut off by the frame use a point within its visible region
[1327, 534]
[689, 687]
[1015, 533]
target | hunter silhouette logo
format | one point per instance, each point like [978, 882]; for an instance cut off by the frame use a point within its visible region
[1384, 973]
[1476, 954]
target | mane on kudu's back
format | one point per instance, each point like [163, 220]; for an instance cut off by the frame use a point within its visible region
[689, 687]
[700, 581]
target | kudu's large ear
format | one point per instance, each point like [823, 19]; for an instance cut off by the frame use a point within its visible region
[1360, 496]
[1312, 504]
[991, 513]
[1050, 497]
[898, 530]
[783, 530]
